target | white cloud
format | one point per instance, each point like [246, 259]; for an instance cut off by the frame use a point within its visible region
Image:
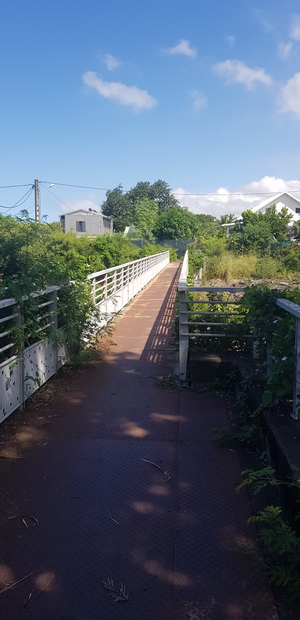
[111, 62]
[236, 72]
[184, 48]
[262, 17]
[126, 95]
[284, 49]
[222, 201]
[295, 28]
[230, 39]
[198, 100]
[289, 98]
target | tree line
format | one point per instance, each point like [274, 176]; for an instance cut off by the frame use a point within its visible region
[152, 210]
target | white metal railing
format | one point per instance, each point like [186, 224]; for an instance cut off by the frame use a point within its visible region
[185, 334]
[113, 288]
[233, 299]
[24, 370]
[294, 309]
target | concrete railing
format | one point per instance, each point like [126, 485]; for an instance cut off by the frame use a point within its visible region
[24, 370]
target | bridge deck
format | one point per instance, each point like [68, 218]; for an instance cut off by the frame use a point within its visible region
[181, 546]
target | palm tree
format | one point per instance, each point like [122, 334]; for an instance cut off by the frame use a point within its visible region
[227, 219]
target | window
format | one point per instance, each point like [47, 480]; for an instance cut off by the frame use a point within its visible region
[80, 226]
[297, 209]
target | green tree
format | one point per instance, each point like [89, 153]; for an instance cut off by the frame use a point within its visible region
[146, 215]
[279, 222]
[228, 218]
[118, 206]
[139, 192]
[256, 231]
[176, 223]
[160, 192]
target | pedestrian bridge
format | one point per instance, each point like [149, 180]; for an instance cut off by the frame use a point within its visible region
[118, 477]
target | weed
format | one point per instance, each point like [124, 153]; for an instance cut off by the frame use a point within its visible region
[283, 548]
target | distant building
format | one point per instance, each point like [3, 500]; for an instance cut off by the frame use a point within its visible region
[281, 200]
[90, 223]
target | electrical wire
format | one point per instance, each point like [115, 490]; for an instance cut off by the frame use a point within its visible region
[19, 202]
[296, 191]
[62, 202]
[9, 186]
[54, 195]
[105, 189]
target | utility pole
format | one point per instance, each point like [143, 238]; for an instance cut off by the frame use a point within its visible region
[37, 200]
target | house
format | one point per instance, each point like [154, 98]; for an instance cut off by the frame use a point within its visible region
[281, 200]
[90, 223]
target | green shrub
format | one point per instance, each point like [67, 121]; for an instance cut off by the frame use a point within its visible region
[228, 266]
[266, 268]
[292, 258]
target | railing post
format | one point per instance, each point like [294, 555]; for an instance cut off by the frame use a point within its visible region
[20, 324]
[54, 320]
[296, 399]
[94, 289]
[269, 359]
[183, 336]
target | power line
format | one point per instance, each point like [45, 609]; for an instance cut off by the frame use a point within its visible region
[296, 191]
[54, 195]
[19, 202]
[59, 200]
[8, 186]
[104, 189]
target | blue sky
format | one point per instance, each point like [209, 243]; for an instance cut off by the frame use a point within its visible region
[204, 95]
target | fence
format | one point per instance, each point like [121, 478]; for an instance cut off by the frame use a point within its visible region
[114, 288]
[24, 370]
[236, 293]
[206, 295]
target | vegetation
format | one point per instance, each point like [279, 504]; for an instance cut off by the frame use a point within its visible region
[152, 209]
[280, 541]
[33, 256]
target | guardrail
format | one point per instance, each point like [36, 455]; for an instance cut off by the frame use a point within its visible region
[23, 370]
[294, 309]
[113, 288]
[208, 295]
[184, 324]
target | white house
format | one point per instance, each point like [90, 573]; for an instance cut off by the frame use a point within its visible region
[90, 223]
[281, 200]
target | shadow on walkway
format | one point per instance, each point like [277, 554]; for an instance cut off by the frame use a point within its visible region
[126, 482]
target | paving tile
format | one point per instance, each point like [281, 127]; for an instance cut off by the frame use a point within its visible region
[126, 482]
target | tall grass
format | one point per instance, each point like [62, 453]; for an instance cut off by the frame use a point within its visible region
[229, 266]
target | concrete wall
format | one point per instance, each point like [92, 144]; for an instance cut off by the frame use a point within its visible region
[94, 223]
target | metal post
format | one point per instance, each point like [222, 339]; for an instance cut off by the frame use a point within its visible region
[37, 200]
[183, 337]
[269, 359]
[296, 399]
[55, 327]
[20, 324]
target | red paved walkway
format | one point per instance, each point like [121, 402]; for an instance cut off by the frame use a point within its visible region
[182, 547]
